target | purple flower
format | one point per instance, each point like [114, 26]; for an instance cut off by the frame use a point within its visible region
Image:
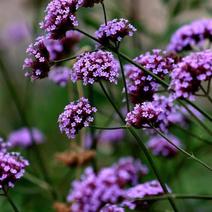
[38, 60]
[191, 36]
[60, 75]
[93, 191]
[143, 114]
[12, 168]
[112, 208]
[93, 66]
[60, 17]
[161, 147]
[4, 146]
[23, 138]
[87, 3]
[134, 195]
[115, 30]
[190, 72]
[142, 86]
[76, 115]
[111, 136]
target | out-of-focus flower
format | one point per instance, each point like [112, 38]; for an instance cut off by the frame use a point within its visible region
[24, 138]
[60, 17]
[87, 3]
[111, 136]
[76, 115]
[4, 146]
[143, 114]
[161, 147]
[115, 30]
[12, 168]
[76, 158]
[93, 66]
[190, 72]
[134, 195]
[38, 60]
[60, 75]
[142, 86]
[93, 191]
[193, 35]
[15, 33]
[112, 208]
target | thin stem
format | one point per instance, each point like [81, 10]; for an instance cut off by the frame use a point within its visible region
[124, 80]
[152, 164]
[206, 94]
[182, 150]
[196, 118]
[193, 135]
[208, 86]
[111, 101]
[108, 128]
[104, 11]
[143, 147]
[65, 59]
[14, 207]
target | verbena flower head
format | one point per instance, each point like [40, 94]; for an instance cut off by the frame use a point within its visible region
[112, 208]
[60, 17]
[161, 147]
[60, 75]
[111, 136]
[87, 3]
[190, 72]
[143, 114]
[142, 86]
[12, 168]
[24, 139]
[93, 191]
[76, 115]
[147, 189]
[38, 60]
[94, 66]
[4, 146]
[193, 35]
[115, 30]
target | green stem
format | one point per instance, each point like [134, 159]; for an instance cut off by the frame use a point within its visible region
[104, 12]
[108, 128]
[206, 94]
[143, 147]
[14, 207]
[182, 150]
[65, 59]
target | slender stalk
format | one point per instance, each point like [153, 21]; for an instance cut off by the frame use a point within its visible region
[104, 12]
[108, 128]
[124, 80]
[206, 94]
[65, 59]
[14, 207]
[182, 150]
[143, 147]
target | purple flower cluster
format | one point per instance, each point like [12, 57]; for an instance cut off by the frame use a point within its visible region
[4, 146]
[87, 3]
[76, 115]
[191, 36]
[161, 147]
[93, 191]
[143, 114]
[44, 51]
[115, 30]
[112, 208]
[12, 168]
[142, 86]
[93, 66]
[60, 75]
[60, 17]
[24, 139]
[190, 72]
